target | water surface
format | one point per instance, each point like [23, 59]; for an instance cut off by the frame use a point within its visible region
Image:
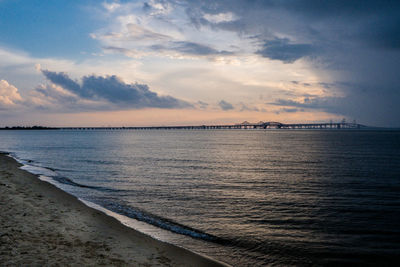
[246, 197]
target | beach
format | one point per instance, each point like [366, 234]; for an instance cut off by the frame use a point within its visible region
[43, 225]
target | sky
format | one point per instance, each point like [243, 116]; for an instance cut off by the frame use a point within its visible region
[175, 62]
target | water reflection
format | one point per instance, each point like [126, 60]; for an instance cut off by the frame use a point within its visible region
[281, 197]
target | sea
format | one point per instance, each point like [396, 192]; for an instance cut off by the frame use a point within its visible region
[243, 197]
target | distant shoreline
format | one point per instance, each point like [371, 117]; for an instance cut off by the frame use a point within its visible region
[190, 128]
[29, 128]
[244, 125]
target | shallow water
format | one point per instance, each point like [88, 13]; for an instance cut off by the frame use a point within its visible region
[246, 197]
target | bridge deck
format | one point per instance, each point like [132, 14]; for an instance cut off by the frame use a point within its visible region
[267, 125]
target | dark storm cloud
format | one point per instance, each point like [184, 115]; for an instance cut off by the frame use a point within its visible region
[318, 21]
[321, 21]
[341, 10]
[356, 42]
[115, 91]
[384, 34]
[283, 50]
[225, 105]
[379, 106]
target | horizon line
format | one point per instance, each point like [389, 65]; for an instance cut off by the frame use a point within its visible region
[243, 125]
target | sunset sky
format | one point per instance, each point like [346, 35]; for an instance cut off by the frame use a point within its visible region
[173, 62]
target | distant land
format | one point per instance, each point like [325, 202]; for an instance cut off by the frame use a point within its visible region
[29, 128]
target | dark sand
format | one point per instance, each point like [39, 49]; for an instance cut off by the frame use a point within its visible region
[43, 225]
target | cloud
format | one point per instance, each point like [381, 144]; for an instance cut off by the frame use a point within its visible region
[350, 50]
[140, 41]
[111, 7]
[197, 49]
[220, 17]
[324, 103]
[291, 110]
[202, 105]
[170, 49]
[225, 105]
[52, 97]
[160, 28]
[368, 107]
[9, 95]
[245, 107]
[157, 8]
[139, 33]
[54, 92]
[283, 50]
[190, 48]
[121, 50]
[355, 49]
[131, 34]
[113, 90]
[327, 104]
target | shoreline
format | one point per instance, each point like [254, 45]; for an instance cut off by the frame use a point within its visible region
[41, 224]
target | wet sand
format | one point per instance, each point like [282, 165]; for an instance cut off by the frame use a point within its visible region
[43, 225]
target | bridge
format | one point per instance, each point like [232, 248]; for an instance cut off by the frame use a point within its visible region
[244, 125]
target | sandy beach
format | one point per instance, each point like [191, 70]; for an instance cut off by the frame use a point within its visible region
[43, 225]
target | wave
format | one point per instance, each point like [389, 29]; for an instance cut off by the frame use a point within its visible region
[67, 181]
[160, 222]
[35, 168]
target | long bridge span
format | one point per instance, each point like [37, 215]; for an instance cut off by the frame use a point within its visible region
[245, 125]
